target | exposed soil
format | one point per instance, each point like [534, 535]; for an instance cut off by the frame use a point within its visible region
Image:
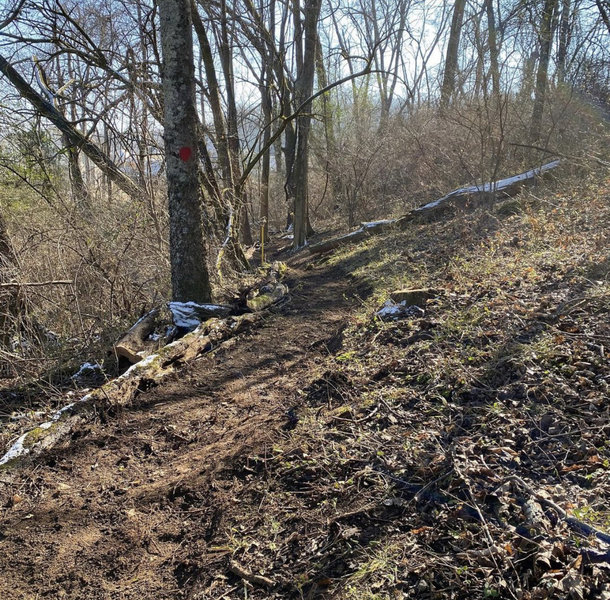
[459, 453]
[129, 508]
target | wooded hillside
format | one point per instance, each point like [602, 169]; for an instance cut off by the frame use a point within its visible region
[304, 299]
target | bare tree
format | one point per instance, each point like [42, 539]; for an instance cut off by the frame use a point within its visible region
[303, 92]
[190, 280]
[451, 57]
[545, 36]
[604, 11]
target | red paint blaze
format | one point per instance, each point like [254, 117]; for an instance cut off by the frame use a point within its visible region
[185, 153]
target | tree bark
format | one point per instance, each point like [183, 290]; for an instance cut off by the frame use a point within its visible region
[190, 280]
[10, 299]
[604, 10]
[303, 91]
[451, 58]
[492, 37]
[134, 340]
[546, 41]
[564, 39]
[267, 111]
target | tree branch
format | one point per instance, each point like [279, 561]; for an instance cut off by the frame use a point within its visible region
[75, 137]
[36, 283]
[12, 15]
[285, 120]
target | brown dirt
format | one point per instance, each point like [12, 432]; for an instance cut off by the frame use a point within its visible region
[329, 454]
[130, 508]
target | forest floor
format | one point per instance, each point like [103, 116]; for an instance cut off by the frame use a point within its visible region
[462, 452]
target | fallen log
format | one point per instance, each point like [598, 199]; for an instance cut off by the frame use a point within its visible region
[209, 325]
[131, 345]
[366, 230]
[121, 391]
[267, 296]
[162, 325]
[503, 188]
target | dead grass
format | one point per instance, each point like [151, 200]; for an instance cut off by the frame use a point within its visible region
[398, 481]
[396, 470]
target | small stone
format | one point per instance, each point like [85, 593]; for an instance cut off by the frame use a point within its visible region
[414, 297]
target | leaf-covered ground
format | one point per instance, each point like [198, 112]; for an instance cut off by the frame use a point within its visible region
[462, 453]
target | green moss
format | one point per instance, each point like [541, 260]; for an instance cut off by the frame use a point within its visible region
[260, 302]
[263, 301]
[35, 435]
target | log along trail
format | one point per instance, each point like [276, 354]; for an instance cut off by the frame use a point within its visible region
[102, 517]
[449, 446]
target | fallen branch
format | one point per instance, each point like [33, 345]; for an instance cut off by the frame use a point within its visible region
[504, 188]
[572, 522]
[134, 341]
[238, 570]
[36, 283]
[153, 330]
[121, 391]
[366, 230]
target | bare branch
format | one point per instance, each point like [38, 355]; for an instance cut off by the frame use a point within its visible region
[15, 284]
[12, 15]
[75, 137]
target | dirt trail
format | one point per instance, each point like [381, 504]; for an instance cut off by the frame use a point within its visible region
[123, 511]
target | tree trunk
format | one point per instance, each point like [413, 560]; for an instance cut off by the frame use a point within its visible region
[564, 40]
[10, 300]
[546, 41]
[328, 122]
[604, 10]
[527, 81]
[492, 37]
[238, 197]
[303, 90]
[267, 111]
[214, 97]
[451, 58]
[190, 279]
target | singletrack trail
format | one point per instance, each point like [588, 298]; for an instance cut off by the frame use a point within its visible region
[122, 511]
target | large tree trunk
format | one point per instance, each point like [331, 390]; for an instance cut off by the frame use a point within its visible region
[451, 58]
[190, 279]
[303, 91]
[546, 41]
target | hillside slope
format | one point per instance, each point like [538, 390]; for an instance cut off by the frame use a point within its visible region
[332, 454]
